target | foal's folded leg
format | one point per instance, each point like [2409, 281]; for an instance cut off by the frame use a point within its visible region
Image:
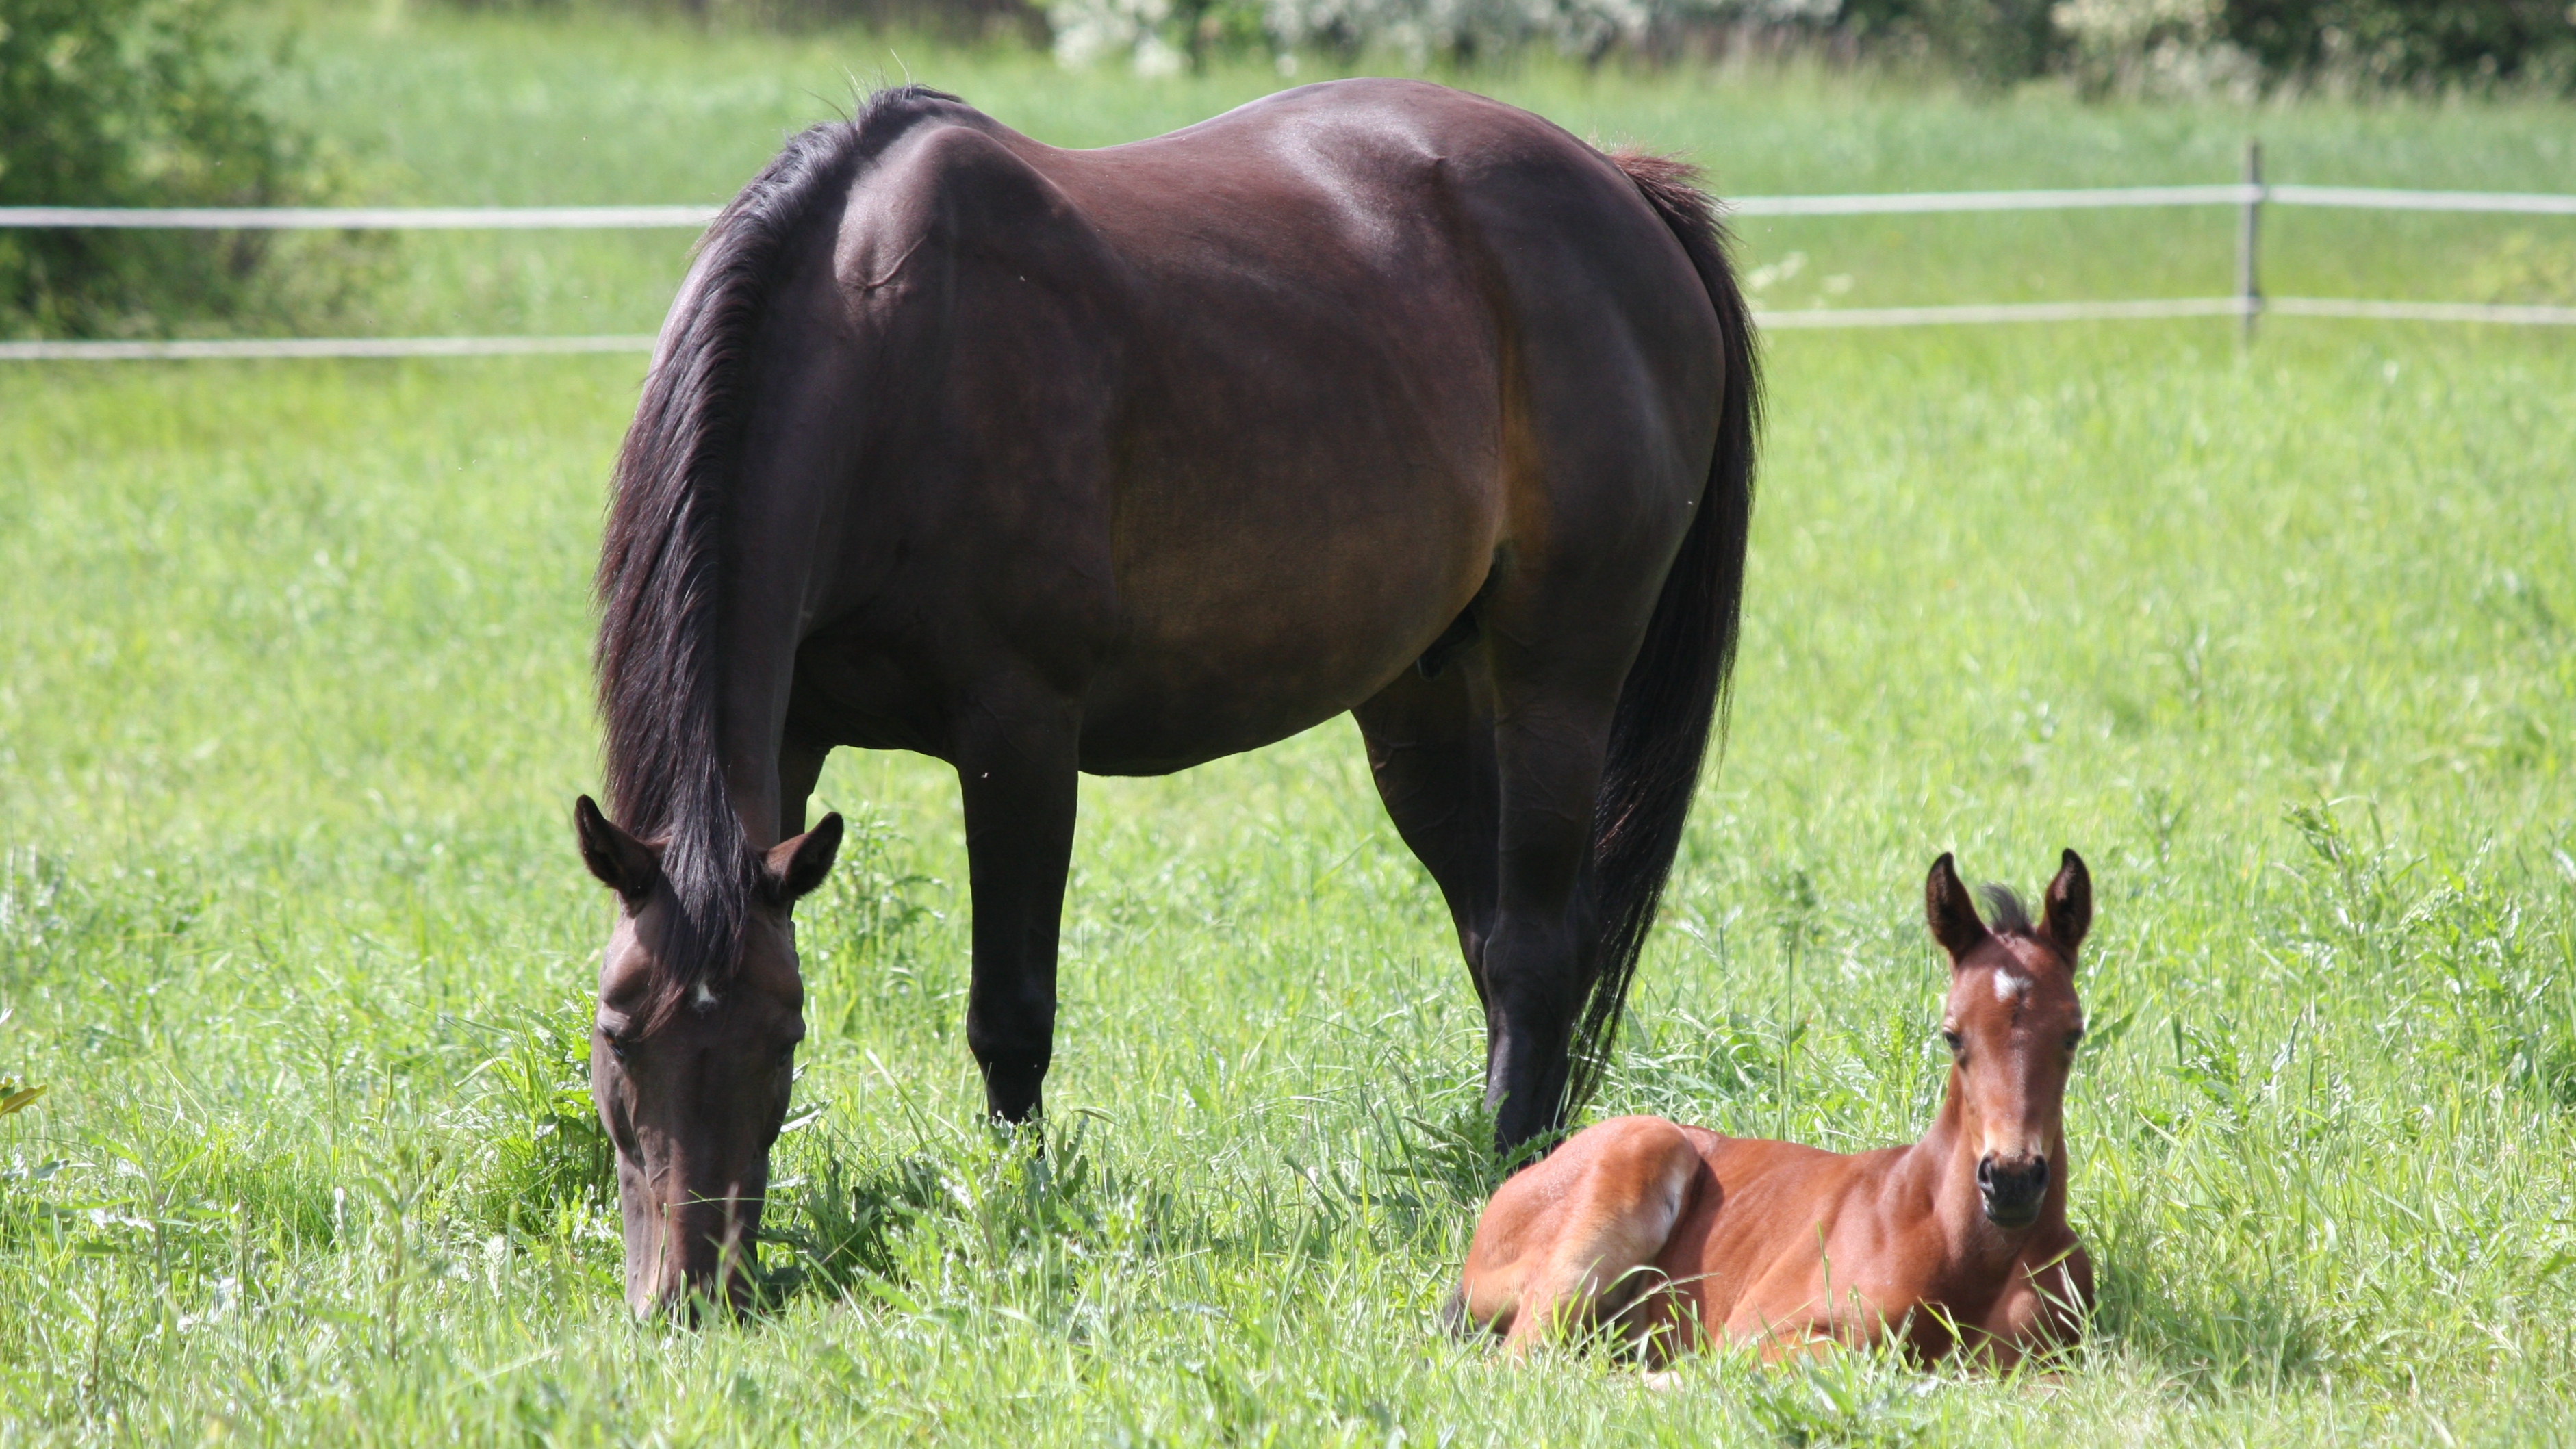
[1613, 1222]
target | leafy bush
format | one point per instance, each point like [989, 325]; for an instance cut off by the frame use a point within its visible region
[1983, 40]
[839, 1217]
[2407, 42]
[2240, 45]
[2194, 46]
[148, 103]
[547, 1150]
[2155, 46]
[1163, 35]
[954, 19]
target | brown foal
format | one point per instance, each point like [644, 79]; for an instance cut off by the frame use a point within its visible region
[1670, 1236]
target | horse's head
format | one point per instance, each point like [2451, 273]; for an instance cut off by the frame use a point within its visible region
[2012, 1024]
[691, 1075]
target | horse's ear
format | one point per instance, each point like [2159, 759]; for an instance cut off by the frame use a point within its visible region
[623, 863]
[1948, 911]
[797, 866]
[2070, 905]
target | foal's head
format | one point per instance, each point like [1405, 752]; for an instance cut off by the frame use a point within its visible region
[691, 1078]
[2012, 1024]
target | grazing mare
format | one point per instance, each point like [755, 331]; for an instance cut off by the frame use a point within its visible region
[1672, 1236]
[1371, 397]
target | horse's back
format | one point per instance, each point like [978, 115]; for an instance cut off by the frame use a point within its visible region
[1260, 404]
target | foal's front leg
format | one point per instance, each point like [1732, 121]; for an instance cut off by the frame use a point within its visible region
[1017, 768]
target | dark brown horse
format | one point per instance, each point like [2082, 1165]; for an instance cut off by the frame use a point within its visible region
[1370, 396]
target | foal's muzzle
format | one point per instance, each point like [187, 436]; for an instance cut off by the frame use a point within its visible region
[2012, 1191]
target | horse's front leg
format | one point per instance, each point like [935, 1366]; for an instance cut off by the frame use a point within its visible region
[1017, 769]
[800, 768]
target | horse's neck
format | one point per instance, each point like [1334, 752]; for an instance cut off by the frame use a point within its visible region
[1940, 1172]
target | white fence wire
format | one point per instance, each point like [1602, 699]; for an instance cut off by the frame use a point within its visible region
[2248, 196]
[359, 218]
[596, 218]
[211, 349]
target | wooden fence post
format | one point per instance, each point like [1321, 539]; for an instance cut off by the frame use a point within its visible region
[2249, 221]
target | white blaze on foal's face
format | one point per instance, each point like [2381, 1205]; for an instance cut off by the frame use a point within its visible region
[2012, 1021]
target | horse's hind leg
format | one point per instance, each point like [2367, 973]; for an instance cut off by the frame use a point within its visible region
[1491, 770]
[1551, 737]
[1431, 749]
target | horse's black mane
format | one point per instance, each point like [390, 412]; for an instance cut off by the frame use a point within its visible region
[660, 654]
[2005, 914]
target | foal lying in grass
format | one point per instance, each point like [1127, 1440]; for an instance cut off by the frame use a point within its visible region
[1671, 1236]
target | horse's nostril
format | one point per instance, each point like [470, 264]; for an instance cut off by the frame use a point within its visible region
[2028, 1179]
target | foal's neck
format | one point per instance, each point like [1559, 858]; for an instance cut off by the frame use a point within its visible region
[1941, 1169]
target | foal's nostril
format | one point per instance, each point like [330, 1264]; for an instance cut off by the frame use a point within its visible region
[2017, 1185]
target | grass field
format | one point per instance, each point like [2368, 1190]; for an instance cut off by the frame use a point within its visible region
[293, 703]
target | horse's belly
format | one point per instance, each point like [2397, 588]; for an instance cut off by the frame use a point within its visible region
[1257, 653]
[1144, 740]
[1280, 555]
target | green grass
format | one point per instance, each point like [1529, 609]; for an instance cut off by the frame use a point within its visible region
[292, 703]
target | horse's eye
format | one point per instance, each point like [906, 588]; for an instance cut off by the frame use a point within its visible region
[1952, 1038]
[2075, 1038]
[618, 1046]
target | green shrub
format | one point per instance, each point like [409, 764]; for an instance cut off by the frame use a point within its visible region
[149, 103]
[2408, 42]
[2242, 45]
[546, 1148]
[968, 20]
[1983, 40]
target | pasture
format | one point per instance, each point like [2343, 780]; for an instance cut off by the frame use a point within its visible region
[293, 701]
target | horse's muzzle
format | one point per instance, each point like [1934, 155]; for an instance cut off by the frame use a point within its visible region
[704, 1265]
[2012, 1191]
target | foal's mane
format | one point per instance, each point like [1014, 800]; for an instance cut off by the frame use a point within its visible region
[2005, 914]
[660, 657]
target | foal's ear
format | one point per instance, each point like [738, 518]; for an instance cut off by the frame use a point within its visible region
[797, 866]
[1948, 911]
[623, 863]
[2070, 906]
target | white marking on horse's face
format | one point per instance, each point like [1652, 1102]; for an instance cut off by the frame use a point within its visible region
[705, 996]
[2008, 985]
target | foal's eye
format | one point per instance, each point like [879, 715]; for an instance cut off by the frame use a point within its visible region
[1952, 1038]
[2075, 1038]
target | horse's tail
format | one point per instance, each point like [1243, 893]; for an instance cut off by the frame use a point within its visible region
[1675, 692]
